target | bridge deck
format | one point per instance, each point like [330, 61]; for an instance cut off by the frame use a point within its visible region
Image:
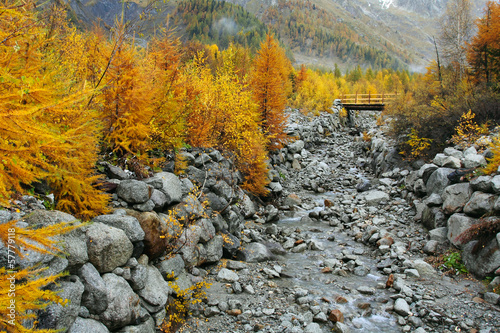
[366, 102]
[364, 107]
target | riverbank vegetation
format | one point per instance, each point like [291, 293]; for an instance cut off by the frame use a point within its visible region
[458, 98]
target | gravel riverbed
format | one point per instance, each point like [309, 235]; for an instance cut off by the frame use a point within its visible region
[329, 256]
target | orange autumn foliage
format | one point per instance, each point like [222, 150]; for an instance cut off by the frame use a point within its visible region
[125, 107]
[225, 116]
[270, 83]
[46, 130]
[483, 52]
[168, 97]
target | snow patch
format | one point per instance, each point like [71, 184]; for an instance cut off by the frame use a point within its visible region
[386, 3]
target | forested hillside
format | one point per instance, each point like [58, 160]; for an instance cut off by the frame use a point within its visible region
[311, 30]
[306, 28]
[219, 22]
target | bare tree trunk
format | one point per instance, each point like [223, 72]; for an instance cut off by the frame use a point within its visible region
[457, 28]
[438, 65]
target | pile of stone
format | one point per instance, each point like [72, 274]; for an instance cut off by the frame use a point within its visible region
[448, 198]
[451, 204]
[123, 265]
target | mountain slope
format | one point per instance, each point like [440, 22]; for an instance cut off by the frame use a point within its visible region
[370, 33]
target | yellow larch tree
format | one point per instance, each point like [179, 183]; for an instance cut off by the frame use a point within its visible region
[46, 130]
[226, 116]
[269, 83]
[125, 107]
[168, 97]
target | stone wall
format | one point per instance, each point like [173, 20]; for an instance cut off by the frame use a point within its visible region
[160, 230]
[447, 203]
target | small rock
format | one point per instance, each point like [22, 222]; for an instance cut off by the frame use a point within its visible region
[366, 290]
[401, 307]
[336, 316]
[226, 275]
[492, 298]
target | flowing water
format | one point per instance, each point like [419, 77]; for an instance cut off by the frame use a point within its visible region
[306, 267]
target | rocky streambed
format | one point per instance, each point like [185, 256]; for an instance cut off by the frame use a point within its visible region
[337, 257]
[340, 244]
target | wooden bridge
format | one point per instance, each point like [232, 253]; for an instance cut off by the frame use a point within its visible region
[371, 102]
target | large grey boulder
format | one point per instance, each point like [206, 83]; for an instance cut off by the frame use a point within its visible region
[480, 203]
[214, 249]
[445, 161]
[484, 261]
[138, 277]
[94, 297]
[215, 202]
[108, 247]
[438, 181]
[234, 221]
[146, 206]
[127, 223]
[133, 191]
[449, 151]
[190, 209]
[172, 267]
[401, 307]
[154, 182]
[87, 325]
[155, 293]
[172, 186]
[425, 269]
[374, 197]
[187, 186]
[114, 172]
[434, 200]
[227, 275]
[124, 305]
[313, 328]
[247, 207]
[207, 230]
[495, 184]
[255, 252]
[73, 244]
[199, 176]
[472, 159]
[296, 147]
[439, 234]
[275, 187]
[159, 199]
[147, 326]
[61, 317]
[458, 223]
[481, 183]
[433, 217]
[222, 189]
[455, 197]
[426, 171]
[187, 243]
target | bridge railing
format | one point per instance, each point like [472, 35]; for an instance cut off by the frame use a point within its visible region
[367, 98]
